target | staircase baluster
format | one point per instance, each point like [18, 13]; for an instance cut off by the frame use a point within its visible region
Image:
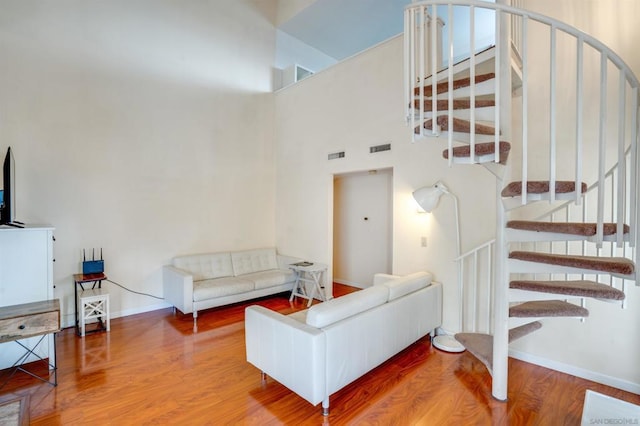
[408, 87]
[450, 80]
[634, 163]
[602, 147]
[472, 79]
[434, 70]
[579, 112]
[525, 106]
[552, 116]
[622, 165]
[421, 61]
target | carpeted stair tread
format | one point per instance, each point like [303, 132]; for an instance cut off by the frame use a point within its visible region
[518, 332]
[443, 87]
[483, 148]
[443, 104]
[573, 228]
[578, 288]
[514, 189]
[617, 265]
[547, 308]
[460, 125]
[481, 345]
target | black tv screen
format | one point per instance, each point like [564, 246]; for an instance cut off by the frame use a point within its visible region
[9, 179]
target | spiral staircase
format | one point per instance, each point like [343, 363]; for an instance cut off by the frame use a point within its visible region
[469, 105]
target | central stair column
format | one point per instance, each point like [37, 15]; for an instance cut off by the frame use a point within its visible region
[501, 288]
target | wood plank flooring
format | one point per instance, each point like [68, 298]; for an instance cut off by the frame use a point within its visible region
[152, 369]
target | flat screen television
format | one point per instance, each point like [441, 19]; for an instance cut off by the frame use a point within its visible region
[8, 212]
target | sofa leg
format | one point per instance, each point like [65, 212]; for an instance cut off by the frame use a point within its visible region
[195, 321]
[325, 407]
[263, 376]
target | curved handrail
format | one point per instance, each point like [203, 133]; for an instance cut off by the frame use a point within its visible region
[593, 42]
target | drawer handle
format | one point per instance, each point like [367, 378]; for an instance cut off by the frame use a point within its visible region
[22, 327]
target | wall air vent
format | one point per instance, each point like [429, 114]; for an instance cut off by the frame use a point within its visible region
[335, 155]
[380, 148]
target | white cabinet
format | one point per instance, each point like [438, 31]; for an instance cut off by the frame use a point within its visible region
[26, 275]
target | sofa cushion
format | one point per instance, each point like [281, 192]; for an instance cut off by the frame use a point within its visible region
[220, 287]
[337, 309]
[273, 277]
[404, 285]
[206, 266]
[249, 261]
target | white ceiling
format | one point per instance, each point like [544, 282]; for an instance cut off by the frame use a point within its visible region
[342, 28]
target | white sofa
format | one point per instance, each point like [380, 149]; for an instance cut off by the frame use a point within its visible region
[202, 281]
[318, 351]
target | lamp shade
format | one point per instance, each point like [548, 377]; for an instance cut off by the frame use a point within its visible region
[427, 197]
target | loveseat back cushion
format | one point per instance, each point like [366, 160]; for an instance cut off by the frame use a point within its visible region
[205, 266]
[249, 261]
[402, 286]
[337, 309]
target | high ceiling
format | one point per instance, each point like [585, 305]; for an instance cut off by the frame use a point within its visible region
[342, 28]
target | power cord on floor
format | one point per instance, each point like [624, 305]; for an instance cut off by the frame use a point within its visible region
[133, 291]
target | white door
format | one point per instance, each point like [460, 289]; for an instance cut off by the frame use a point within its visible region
[362, 224]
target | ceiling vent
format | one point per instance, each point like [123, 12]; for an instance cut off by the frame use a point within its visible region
[380, 148]
[335, 155]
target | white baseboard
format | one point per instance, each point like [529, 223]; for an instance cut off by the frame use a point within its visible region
[577, 371]
[68, 320]
[140, 310]
[346, 282]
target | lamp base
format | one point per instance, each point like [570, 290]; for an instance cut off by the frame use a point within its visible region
[447, 343]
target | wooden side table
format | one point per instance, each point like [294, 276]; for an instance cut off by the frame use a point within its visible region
[26, 320]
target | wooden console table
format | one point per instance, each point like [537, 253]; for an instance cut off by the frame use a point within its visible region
[34, 319]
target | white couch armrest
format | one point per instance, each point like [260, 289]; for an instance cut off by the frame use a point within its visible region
[285, 261]
[178, 288]
[383, 278]
[291, 352]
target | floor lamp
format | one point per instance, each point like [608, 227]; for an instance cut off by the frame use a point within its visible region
[427, 198]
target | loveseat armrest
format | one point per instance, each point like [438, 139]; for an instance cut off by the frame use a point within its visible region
[383, 278]
[284, 261]
[178, 288]
[289, 351]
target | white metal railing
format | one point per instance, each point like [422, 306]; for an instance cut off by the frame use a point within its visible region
[475, 269]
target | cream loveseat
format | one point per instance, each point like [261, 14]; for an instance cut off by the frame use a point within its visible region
[318, 351]
[202, 281]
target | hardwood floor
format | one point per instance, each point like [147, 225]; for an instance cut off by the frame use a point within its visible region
[152, 369]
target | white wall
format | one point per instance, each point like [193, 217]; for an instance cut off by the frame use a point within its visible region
[603, 347]
[351, 106]
[144, 128]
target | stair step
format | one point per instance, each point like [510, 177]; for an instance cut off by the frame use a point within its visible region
[547, 308]
[481, 150]
[614, 265]
[480, 345]
[522, 230]
[458, 104]
[514, 189]
[459, 125]
[578, 288]
[443, 87]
